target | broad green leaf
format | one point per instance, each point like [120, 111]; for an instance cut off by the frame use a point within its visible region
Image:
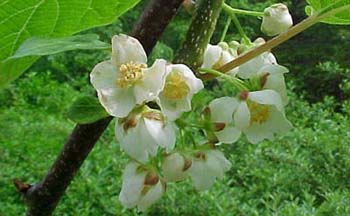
[37, 46]
[22, 19]
[86, 109]
[340, 18]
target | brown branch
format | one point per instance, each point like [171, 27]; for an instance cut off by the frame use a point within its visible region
[42, 198]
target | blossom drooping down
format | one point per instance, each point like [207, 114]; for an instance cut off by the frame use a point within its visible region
[276, 20]
[175, 167]
[263, 72]
[207, 166]
[141, 187]
[221, 115]
[179, 88]
[125, 80]
[252, 66]
[143, 131]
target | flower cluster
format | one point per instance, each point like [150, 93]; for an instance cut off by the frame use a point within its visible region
[149, 101]
[125, 86]
[258, 109]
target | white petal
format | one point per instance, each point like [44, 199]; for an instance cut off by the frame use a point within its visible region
[173, 166]
[164, 135]
[269, 58]
[126, 49]
[251, 67]
[152, 196]
[228, 135]
[136, 141]
[152, 83]
[130, 143]
[173, 108]
[276, 123]
[132, 185]
[273, 69]
[277, 83]
[201, 178]
[258, 132]
[117, 102]
[242, 116]
[221, 109]
[104, 75]
[217, 163]
[204, 172]
[212, 55]
[268, 97]
[148, 141]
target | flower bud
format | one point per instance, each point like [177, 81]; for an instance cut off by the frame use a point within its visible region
[276, 20]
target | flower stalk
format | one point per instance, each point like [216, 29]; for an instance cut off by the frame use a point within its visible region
[230, 10]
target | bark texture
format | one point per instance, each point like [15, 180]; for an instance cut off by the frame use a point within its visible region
[43, 197]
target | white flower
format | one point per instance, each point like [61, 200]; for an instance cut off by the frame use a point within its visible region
[175, 167]
[179, 88]
[259, 115]
[125, 81]
[264, 72]
[208, 165]
[276, 20]
[141, 133]
[216, 56]
[272, 77]
[140, 187]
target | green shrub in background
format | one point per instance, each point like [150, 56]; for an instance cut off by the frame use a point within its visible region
[305, 172]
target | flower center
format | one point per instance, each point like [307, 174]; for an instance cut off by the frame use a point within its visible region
[175, 86]
[259, 113]
[130, 73]
[219, 63]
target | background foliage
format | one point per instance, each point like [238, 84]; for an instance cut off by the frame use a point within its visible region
[305, 172]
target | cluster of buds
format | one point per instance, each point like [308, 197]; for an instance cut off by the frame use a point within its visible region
[126, 87]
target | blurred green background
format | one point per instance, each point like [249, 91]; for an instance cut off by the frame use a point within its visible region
[304, 172]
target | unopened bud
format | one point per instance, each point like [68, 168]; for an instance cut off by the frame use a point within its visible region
[276, 20]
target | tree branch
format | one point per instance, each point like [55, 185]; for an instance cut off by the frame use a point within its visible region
[42, 198]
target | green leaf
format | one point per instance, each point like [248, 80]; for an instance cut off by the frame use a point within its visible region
[331, 6]
[86, 109]
[37, 46]
[22, 19]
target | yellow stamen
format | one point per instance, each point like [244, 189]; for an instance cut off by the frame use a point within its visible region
[175, 86]
[259, 113]
[130, 73]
